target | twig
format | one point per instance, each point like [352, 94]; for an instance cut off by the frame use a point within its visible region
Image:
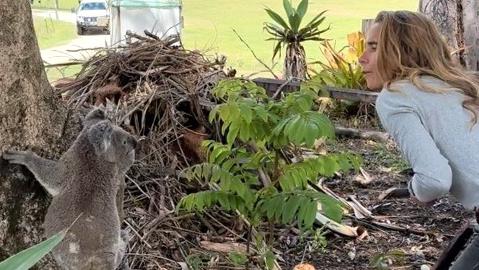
[256, 57]
[363, 134]
[280, 88]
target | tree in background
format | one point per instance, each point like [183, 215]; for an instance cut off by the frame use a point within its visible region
[458, 21]
[288, 33]
[31, 117]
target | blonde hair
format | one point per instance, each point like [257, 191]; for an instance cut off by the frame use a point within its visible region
[410, 45]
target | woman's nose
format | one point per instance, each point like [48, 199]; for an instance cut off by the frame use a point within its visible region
[363, 59]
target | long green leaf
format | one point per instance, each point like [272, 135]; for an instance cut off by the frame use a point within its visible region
[275, 31]
[288, 8]
[315, 19]
[25, 259]
[277, 49]
[295, 21]
[302, 8]
[277, 18]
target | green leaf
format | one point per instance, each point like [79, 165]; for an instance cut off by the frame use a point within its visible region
[269, 259]
[307, 213]
[302, 8]
[290, 208]
[331, 207]
[232, 133]
[288, 8]
[277, 49]
[316, 21]
[246, 113]
[277, 18]
[212, 114]
[25, 259]
[295, 21]
[238, 258]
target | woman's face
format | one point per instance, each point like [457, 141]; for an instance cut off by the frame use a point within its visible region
[369, 58]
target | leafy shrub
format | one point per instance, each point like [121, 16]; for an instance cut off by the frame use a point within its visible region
[252, 171]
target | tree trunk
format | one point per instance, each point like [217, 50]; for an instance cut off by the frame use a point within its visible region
[458, 21]
[31, 116]
[295, 62]
[471, 33]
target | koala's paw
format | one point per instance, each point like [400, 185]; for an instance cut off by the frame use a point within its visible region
[17, 157]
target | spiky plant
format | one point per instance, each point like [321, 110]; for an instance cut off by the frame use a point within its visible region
[289, 33]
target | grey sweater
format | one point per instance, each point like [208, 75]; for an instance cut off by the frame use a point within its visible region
[436, 136]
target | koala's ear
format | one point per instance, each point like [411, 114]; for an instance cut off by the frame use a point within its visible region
[94, 116]
[99, 135]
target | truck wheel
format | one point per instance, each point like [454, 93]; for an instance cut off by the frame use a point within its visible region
[80, 31]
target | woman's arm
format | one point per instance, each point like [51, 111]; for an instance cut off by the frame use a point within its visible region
[432, 173]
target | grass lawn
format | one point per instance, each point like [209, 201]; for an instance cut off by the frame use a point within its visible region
[209, 25]
[54, 74]
[51, 33]
[62, 4]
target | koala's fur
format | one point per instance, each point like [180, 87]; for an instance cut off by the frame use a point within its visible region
[85, 181]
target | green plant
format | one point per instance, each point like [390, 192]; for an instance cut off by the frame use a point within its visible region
[29, 257]
[252, 172]
[238, 258]
[320, 242]
[382, 261]
[289, 33]
[384, 156]
[342, 68]
[197, 261]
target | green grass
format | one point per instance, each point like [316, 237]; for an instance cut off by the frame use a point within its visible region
[209, 24]
[51, 33]
[62, 4]
[54, 74]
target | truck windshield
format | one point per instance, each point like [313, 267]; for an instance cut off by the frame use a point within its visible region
[92, 6]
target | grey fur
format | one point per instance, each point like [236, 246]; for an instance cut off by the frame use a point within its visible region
[86, 180]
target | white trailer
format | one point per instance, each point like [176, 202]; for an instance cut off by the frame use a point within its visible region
[160, 17]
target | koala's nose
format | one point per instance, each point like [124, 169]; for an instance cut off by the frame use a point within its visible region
[133, 142]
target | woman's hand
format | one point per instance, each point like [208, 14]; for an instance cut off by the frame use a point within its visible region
[418, 202]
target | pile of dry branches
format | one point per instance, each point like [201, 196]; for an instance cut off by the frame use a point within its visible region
[161, 92]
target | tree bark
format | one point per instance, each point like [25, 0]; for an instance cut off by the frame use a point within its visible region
[471, 33]
[31, 117]
[458, 21]
[295, 66]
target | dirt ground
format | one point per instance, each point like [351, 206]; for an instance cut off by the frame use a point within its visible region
[384, 164]
[163, 239]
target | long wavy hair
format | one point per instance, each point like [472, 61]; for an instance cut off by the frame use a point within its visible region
[410, 45]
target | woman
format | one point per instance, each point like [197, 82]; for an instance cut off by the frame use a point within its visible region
[429, 105]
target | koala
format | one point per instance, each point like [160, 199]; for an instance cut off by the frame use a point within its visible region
[85, 184]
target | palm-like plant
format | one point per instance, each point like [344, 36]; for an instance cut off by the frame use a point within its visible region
[288, 33]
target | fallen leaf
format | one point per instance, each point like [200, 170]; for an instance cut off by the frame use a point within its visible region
[363, 178]
[304, 266]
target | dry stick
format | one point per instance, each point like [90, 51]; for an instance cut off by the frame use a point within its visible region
[280, 88]
[392, 227]
[251, 231]
[251, 50]
[224, 226]
[73, 63]
[356, 133]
